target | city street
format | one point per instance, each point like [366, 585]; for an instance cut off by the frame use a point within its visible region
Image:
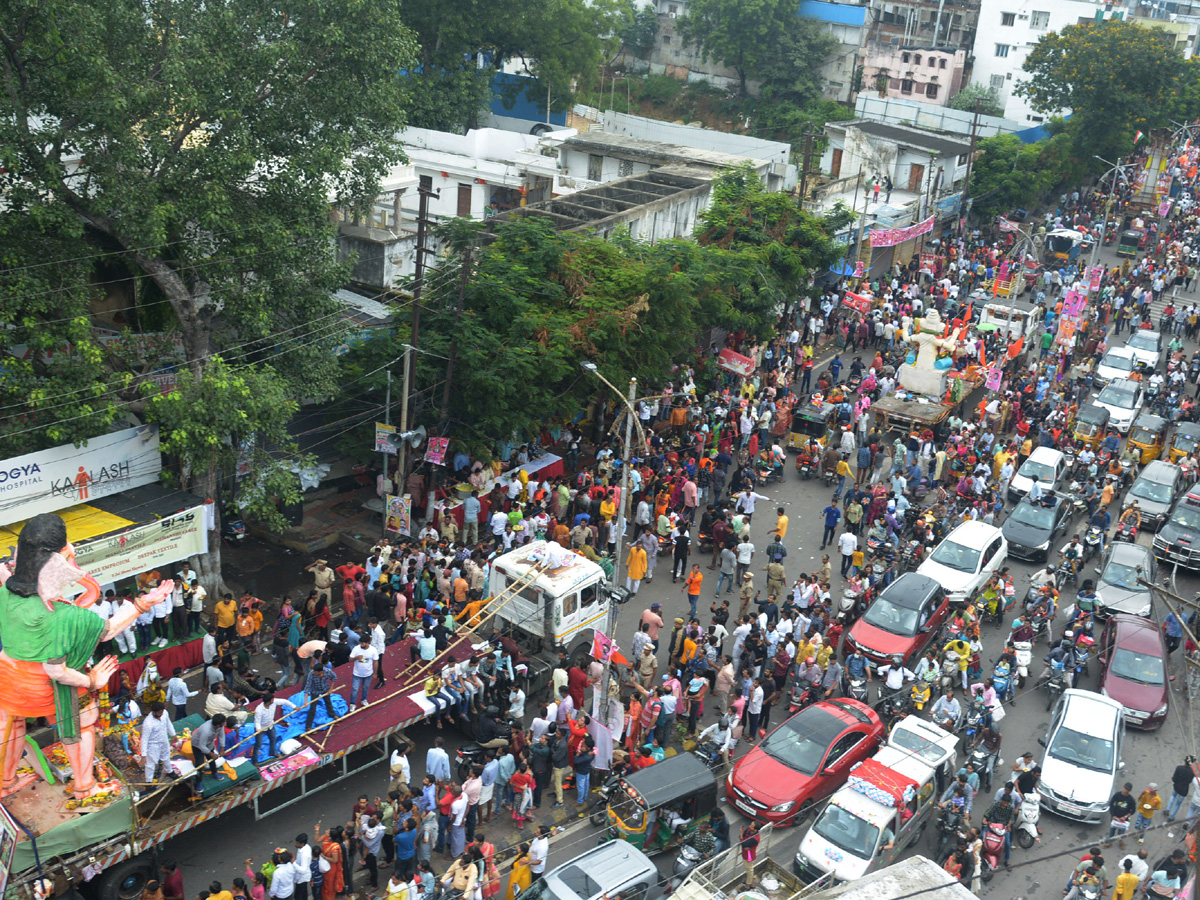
[217, 849]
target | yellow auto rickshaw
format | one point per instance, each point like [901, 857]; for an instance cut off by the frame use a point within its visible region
[1091, 423]
[1149, 435]
[656, 808]
[811, 418]
[1185, 440]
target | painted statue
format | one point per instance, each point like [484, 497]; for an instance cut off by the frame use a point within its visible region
[48, 642]
[926, 374]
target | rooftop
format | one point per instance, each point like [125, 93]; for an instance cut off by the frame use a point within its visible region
[654, 152]
[941, 144]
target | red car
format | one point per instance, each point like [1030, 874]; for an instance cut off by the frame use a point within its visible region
[902, 621]
[1133, 657]
[804, 760]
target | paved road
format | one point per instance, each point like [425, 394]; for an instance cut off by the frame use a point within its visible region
[217, 849]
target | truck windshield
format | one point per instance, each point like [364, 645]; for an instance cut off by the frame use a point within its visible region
[846, 830]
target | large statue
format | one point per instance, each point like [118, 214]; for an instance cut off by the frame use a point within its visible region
[927, 374]
[47, 644]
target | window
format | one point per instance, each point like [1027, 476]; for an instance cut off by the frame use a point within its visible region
[1039, 20]
[426, 183]
[962, 160]
[587, 596]
[666, 39]
[941, 63]
[1008, 19]
[570, 603]
[1002, 49]
[997, 82]
[904, 57]
[931, 90]
[595, 166]
[672, 8]
[916, 59]
[906, 86]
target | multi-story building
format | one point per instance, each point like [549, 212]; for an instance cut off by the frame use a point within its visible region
[925, 74]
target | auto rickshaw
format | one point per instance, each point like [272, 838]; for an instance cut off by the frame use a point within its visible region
[1149, 435]
[1130, 242]
[1185, 440]
[657, 807]
[810, 418]
[1091, 423]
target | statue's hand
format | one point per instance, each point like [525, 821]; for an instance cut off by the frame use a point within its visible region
[102, 672]
[154, 596]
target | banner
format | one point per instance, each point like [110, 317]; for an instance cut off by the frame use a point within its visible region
[399, 516]
[435, 452]
[735, 362]
[1095, 275]
[890, 237]
[1006, 225]
[1073, 303]
[64, 476]
[993, 379]
[948, 206]
[605, 648]
[146, 547]
[1164, 208]
[928, 261]
[857, 302]
[382, 433]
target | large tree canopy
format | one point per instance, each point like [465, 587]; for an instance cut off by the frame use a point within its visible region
[1115, 76]
[189, 152]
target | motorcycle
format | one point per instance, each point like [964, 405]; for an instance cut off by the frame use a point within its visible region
[992, 609]
[689, 857]
[1065, 573]
[855, 689]
[1023, 650]
[804, 465]
[981, 760]
[233, 530]
[803, 694]
[1054, 680]
[829, 476]
[710, 754]
[471, 754]
[1092, 541]
[894, 708]
[951, 826]
[1041, 627]
[1127, 532]
[976, 713]
[993, 849]
[911, 555]
[1026, 830]
[597, 810]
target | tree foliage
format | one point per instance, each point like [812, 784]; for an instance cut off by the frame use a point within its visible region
[987, 96]
[639, 29]
[761, 40]
[194, 151]
[1116, 76]
[1009, 174]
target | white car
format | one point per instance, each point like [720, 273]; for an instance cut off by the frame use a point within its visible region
[1146, 346]
[965, 559]
[1083, 755]
[1123, 399]
[1044, 463]
[1116, 363]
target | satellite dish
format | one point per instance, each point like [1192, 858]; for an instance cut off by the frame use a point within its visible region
[414, 438]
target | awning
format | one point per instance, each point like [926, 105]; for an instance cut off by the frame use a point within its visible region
[83, 521]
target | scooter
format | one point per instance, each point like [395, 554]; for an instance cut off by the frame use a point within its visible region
[803, 694]
[979, 759]
[689, 857]
[1026, 829]
[1092, 541]
[1023, 651]
[1002, 678]
[975, 713]
[993, 848]
[855, 689]
[950, 676]
[921, 691]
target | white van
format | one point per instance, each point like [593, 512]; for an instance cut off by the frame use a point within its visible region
[561, 607]
[1018, 318]
[852, 834]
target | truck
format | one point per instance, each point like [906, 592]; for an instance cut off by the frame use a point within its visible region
[541, 598]
[867, 824]
[915, 876]
[896, 413]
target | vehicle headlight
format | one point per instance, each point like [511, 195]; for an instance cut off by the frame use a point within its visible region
[1144, 612]
[1044, 546]
[1161, 711]
[783, 807]
[729, 779]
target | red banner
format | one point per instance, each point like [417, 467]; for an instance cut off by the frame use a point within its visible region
[1006, 225]
[857, 302]
[736, 362]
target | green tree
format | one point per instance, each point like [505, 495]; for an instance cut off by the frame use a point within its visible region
[988, 98]
[639, 29]
[1008, 174]
[198, 148]
[1116, 76]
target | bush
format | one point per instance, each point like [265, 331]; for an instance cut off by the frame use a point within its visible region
[661, 89]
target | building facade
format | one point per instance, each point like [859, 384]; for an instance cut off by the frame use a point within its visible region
[924, 74]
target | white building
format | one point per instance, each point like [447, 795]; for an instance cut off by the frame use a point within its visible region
[1009, 29]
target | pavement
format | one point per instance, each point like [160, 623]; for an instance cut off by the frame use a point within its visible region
[217, 849]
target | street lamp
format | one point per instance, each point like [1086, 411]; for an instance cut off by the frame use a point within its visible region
[610, 624]
[1116, 167]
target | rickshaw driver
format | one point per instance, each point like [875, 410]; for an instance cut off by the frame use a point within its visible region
[673, 819]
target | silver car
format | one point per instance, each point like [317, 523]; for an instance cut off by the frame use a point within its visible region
[1121, 567]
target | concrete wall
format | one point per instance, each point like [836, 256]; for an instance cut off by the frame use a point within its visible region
[908, 112]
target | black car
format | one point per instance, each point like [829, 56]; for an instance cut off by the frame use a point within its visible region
[1031, 527]
[1178, 541]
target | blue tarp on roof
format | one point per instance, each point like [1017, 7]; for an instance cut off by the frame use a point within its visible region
[835, 13]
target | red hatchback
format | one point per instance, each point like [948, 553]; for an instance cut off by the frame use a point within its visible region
[902, 621]
[804, 760]
[1134, 670]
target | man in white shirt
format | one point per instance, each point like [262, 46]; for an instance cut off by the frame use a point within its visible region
[516, 703]
[264, 723]
[847, 544]
[303, 864]
[363, 658]
[283, 880]
[539, 850]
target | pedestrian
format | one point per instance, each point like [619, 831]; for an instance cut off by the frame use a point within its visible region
[1181, 782]
[1127, 882]
[832, 516]
[1147, 805]
[692, 586]
[539, 851]
[748, 844]
[1121, 808]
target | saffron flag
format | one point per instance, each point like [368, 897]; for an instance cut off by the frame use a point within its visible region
[605, 648]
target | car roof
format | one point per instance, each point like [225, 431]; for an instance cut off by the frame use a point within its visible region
[1121, 351]
[853, 712]
[1136, 633]
[1126, 383]
[607, 867]
[1144, 331]
[1046, 453]
[910, 590]
[1127, 553]
[973, 533]
[1159, 470]
[903, 762]
[1090, 713]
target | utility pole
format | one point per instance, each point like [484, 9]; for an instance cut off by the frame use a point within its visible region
[1104, 227]
[402, 450]
[410, 354]
[458, 311]
[387, 420]
[808, 139]
[610, 624]
[970, 163]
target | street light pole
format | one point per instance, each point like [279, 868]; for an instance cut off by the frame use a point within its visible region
[1104, 225]
[610, 622]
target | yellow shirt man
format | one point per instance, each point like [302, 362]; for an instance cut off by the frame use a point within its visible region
[781, 526]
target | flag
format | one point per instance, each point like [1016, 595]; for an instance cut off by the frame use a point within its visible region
[1137, 137]
[1015, 349]
[604, 648]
